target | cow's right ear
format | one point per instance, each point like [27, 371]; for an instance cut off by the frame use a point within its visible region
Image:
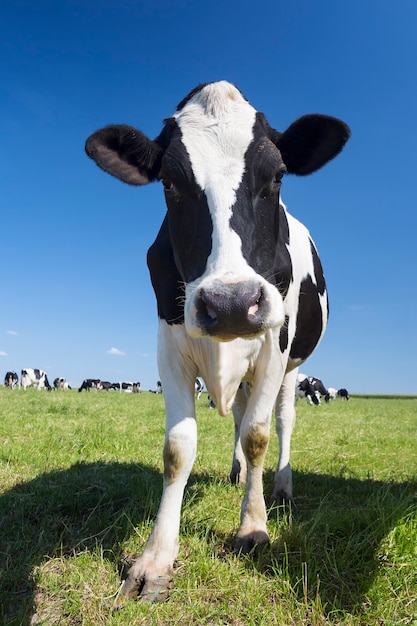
[125, 153]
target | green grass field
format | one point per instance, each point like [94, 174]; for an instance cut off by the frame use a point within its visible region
[80, 482]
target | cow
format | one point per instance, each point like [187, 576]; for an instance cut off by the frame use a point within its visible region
[11, 380]
[34, 378]
[239, 286]
[136, 388]
[318, 387]
[343, 393]
[198, 388]
[331, 394]
[106, 385]
[127, 387]
[305, 389]
[89, 383]
[61, 383]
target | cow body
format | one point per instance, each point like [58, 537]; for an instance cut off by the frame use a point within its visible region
[61, 383]
[34, 378]
[305, 389]
[343, 393]
[239, 286]
[11, 380]
[90, 383]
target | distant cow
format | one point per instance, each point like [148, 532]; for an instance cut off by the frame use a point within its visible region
[128, 387]
[61, 383]
[319, 389]
[34, 378]
[11, 380]
[239, 285]
[343, 393]
[198, 388]
[106, 385]
[305, 389]
[331, 394]
[89, 383]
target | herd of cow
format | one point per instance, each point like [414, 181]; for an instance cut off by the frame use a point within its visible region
[308, 387]
[38, 378]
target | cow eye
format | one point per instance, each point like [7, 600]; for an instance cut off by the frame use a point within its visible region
[168, 186]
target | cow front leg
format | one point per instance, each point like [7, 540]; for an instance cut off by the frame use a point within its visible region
[151, 575]
[285, 420]
[252, 531]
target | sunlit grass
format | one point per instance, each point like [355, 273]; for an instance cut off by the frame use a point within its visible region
[80, 482]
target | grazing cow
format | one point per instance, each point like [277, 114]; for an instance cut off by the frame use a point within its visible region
[239, 288]
[128, 387]
[106, 385]
[343, 393]
[11, 380]
[198, 388]
[34, 378]
[61, 383]
[89, 383]
[158, 387]
[331, 394]
[318, 387]
[304, 389]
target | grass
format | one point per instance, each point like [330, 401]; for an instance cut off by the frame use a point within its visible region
[80, 482]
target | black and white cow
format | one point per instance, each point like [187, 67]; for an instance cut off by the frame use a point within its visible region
[198, 387]
[304, 389]
[106, 385]
[34, 378]
[11, 380]
[331, 394]
[343, 393]
[89, 383]
[318, 387]
[126, 386]
[239, 287]
[61, 383]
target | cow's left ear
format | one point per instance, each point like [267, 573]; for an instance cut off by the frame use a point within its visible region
[310, 142]
[125, 153]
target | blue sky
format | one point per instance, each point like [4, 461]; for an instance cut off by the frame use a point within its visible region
[76, 296]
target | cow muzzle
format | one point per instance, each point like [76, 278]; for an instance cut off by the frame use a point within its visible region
[225, 311]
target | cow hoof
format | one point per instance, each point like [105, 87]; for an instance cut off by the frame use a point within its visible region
[153, 590]
[253, 543]
[281, 498]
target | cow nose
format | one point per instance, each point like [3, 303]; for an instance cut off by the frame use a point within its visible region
[229, 310]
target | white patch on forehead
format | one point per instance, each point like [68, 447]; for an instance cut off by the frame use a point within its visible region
[217, 127]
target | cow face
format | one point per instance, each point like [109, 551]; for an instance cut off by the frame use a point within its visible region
[221, 166]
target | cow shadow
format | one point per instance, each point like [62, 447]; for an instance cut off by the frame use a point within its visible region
[329, 538]
[63, 512]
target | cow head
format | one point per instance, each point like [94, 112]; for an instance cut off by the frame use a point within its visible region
[221, 167]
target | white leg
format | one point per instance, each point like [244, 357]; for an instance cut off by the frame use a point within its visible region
[285, 420]
[150, 575]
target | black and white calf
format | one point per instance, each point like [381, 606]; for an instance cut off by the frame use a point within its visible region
[239, 286]
[89, 383]
[11, 380]
[34, 378]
